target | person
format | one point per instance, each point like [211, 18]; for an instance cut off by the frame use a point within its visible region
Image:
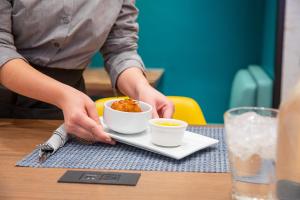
[44, 48]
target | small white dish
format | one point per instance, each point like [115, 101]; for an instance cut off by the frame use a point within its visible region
[127, 122]
[191, 143]
[167, 132]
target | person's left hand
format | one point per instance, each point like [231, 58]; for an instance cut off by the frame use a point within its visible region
[162, 106]
[133, 83]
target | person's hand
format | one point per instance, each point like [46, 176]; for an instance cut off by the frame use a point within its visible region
[133, 83]
[162, 106]
[81, 118]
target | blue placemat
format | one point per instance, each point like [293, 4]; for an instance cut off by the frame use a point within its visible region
[125, 157]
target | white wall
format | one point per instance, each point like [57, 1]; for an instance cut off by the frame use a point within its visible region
[291, 51]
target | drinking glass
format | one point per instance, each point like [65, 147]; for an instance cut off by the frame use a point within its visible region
[251, 136]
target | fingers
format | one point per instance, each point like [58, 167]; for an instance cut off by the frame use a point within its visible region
[92, 111]
[155, 113]
[168, 110]
[94, 129]
[83, 135]
[102, 136]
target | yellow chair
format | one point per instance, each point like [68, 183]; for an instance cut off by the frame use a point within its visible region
[186, 109]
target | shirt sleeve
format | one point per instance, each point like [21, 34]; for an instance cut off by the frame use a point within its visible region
[120, 48]
[7, 49]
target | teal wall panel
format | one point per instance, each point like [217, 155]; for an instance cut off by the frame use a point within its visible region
[201, 45]
[269, 29]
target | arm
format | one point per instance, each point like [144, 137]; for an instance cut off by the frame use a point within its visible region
[16, 74]
[120, 48]
[126, 67]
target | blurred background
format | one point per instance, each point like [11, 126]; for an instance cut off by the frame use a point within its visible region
[201, 45]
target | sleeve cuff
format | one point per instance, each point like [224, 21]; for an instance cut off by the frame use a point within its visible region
[126, 60]
[8, 54]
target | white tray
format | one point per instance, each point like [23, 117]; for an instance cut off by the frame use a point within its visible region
[192, 142]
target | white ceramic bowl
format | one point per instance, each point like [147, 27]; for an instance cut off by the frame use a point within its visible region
[167, 136]
[127, 122]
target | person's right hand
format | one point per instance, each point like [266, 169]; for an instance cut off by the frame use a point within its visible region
[81, 118]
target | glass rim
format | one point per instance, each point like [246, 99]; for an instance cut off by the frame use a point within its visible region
[227, 112]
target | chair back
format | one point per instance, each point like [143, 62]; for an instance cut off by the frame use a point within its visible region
[187, 109]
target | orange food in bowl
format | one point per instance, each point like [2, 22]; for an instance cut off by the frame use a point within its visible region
[126, 105]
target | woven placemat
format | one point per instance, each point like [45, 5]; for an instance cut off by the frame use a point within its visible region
[125, 157]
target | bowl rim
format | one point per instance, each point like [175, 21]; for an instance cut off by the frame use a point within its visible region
[134, 113]
[183, 124]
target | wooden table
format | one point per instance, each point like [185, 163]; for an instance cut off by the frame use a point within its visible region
[20, 137]
[98, 82]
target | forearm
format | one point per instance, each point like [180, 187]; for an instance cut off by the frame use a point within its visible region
[20, 77]
[131, 81]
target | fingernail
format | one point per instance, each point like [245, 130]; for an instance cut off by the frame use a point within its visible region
[108, 139]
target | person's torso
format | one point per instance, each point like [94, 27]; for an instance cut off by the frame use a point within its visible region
[62, 34]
